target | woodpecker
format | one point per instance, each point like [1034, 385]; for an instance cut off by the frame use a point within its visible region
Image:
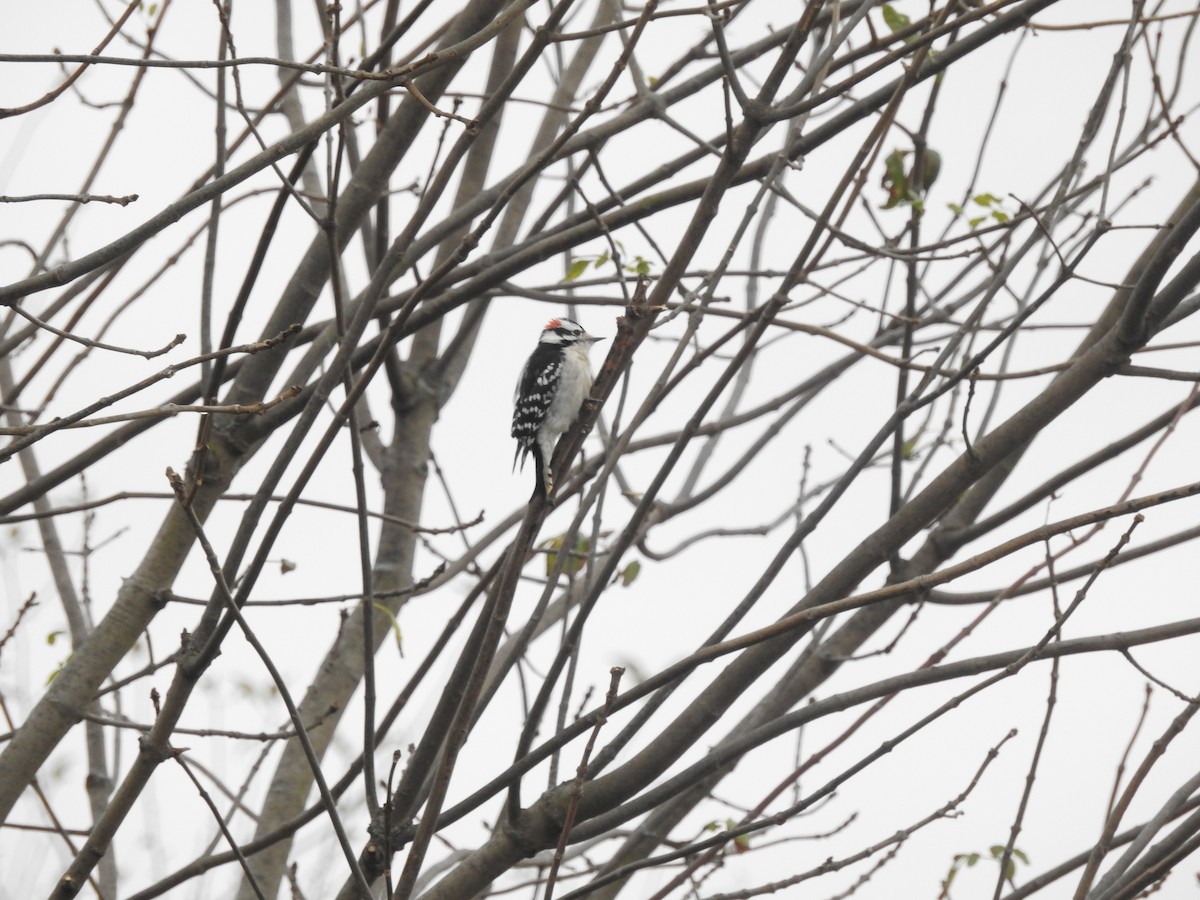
[556, 380]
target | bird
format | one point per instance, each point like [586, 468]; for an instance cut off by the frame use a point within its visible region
[557, 378]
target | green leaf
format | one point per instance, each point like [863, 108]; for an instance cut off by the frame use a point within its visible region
[894, 178]
[601, 259]
[553, 544]
[955, 208]
[931, 168]
[57, 669]
[894, 19]
[986, 199]
[999, 215]
[1020, 854]
[974, 223]
[630, 573]
[579, 559]
[899, 180]
[972, 858]
[53, 636]
[395, 625]
[573, 563]
[741, 843]
[576, 269]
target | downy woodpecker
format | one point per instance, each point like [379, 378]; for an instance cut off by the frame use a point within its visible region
[556, 380]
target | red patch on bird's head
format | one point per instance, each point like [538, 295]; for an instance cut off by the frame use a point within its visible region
[553, 323]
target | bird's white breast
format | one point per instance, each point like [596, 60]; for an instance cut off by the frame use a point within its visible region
[574, 385]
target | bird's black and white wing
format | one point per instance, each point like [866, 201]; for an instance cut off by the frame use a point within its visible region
[534, 394]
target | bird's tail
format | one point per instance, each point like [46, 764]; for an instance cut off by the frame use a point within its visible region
[544, 482]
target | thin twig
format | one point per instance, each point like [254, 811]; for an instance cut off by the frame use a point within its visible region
[177, 755]
[74, 198]
[165, 411]
[97, 345]
[580, 777]
[285, 695]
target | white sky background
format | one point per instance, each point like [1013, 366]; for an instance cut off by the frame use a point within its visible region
[168, 143]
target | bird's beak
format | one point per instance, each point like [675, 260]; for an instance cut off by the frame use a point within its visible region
[594, 340]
